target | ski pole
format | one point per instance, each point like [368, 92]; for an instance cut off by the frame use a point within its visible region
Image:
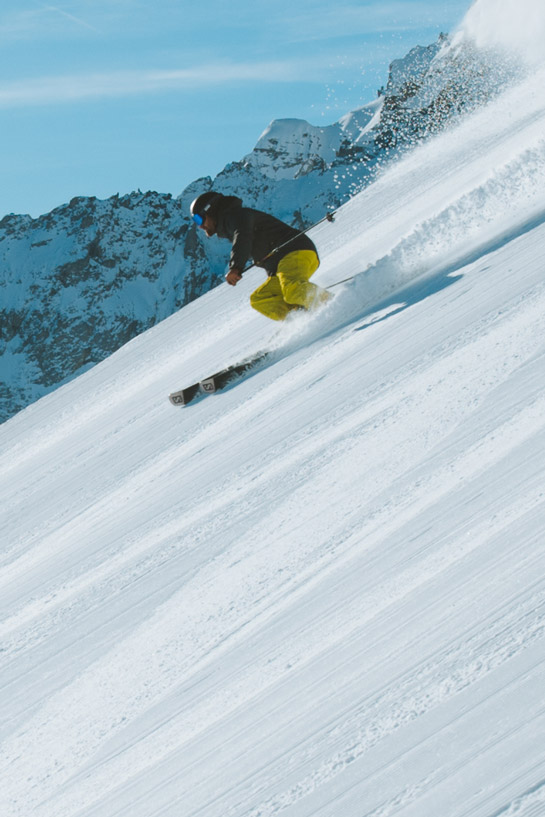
[338, 283]
[329, 216]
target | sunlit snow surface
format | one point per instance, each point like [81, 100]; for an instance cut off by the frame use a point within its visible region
[321, 592]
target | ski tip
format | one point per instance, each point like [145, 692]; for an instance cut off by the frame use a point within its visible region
[177, 399]
[184, 396]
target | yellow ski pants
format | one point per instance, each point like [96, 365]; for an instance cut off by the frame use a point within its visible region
[290, 288]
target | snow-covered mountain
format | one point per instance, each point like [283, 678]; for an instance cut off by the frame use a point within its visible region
[321, 592]
[79, 282]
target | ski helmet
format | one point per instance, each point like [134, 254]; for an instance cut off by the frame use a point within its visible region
[202, 204]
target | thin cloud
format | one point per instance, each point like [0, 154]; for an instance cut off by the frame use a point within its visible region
[71, 89]
[77, 20]
[40, 23]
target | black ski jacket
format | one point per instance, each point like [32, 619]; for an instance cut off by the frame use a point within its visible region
[256, 235]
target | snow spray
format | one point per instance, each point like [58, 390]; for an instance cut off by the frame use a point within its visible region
[514, 27]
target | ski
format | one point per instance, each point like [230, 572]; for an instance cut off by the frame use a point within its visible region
[215, 382]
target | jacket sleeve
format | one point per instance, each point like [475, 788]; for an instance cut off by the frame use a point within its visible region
[243, 229]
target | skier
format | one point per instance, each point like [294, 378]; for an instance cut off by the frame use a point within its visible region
[289, 257]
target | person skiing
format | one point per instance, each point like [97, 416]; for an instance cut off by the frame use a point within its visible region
[288, 256]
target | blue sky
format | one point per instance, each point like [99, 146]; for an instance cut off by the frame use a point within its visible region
[107, 96]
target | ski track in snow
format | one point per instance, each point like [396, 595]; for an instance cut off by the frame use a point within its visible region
[320, 592]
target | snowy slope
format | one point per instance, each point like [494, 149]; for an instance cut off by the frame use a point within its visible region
[320, 592]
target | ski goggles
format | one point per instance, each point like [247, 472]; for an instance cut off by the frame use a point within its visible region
[198, 219]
